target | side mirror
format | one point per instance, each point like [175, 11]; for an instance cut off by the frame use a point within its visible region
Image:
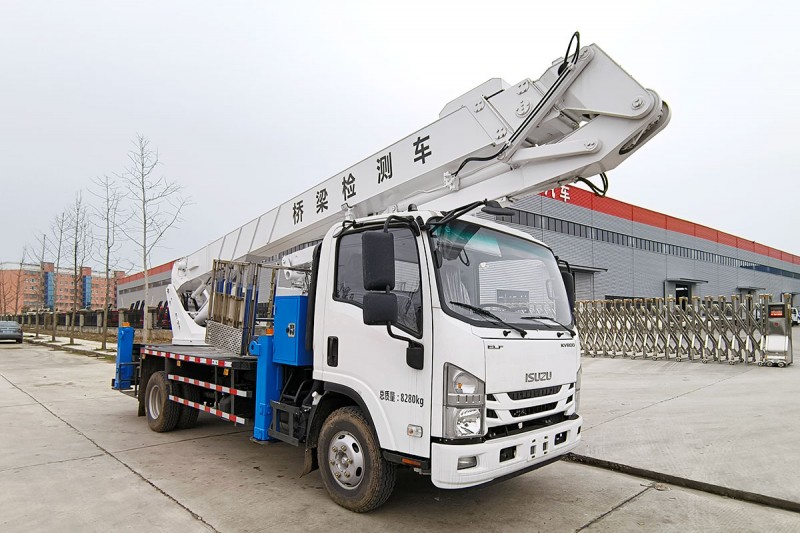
[493, 207]
[380, 308]
[377, 259]
[569, 285]
[415, 356]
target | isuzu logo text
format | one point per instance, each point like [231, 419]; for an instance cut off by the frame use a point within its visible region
[530, 377]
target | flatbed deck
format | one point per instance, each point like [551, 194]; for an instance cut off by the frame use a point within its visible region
[206, 355]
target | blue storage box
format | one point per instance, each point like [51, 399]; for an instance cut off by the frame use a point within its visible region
[290, 331]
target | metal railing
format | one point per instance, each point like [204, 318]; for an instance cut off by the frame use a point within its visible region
[725, 330]
[91, 319]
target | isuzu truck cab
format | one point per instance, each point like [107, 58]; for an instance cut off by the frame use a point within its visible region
[478, 376]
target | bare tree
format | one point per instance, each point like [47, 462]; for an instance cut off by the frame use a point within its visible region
[80, 244]
[156, 207]
[58, 229]
[41, 289]
[106, 219]
[5, 293]
[19, 286]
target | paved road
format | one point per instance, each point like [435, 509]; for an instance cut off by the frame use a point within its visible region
[731, 426]
[75, 457]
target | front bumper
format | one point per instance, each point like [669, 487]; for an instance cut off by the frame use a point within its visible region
[529, 450]
[11, 336]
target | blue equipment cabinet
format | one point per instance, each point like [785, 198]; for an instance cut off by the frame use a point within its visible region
[290, 331]
[125, 367]
[269, 377]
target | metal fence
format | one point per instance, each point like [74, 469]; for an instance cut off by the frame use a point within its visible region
[708, 329]
[159, 318]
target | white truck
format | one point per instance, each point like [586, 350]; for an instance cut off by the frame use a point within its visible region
[412, 334]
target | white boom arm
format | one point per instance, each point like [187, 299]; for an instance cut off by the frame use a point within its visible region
[581, 118]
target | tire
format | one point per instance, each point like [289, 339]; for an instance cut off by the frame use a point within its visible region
[162, 413]
[19, 341]
[366, 480]
[187, 416]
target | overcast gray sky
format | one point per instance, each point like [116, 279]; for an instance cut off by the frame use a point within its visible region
[250, 103]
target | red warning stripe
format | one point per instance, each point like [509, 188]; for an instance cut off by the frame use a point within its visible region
[190, 358]
[207, 385]
[216, 412]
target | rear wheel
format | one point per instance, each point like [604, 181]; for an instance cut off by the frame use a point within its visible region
[353, 470]
[162, 413]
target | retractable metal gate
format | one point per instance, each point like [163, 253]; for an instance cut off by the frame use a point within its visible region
[708, 329]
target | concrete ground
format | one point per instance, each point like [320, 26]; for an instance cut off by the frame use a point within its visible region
[75, 457]
[730, 426]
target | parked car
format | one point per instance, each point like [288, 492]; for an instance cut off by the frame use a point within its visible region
[795, 316]
[10, 331]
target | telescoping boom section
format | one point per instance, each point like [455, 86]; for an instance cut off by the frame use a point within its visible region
[412, 334]
[581, 118]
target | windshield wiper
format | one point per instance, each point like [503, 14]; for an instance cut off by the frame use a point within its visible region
[543, 317]
[488, 314]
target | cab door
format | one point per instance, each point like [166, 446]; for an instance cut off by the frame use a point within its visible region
[368, 361]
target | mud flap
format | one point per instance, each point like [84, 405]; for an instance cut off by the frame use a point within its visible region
[309, 461]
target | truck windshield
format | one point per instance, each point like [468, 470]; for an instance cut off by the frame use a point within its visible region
[517, 280]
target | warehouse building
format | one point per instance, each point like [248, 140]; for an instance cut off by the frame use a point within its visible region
[617, 250]
[130, 289]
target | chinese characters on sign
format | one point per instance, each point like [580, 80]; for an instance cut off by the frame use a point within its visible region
[348, 187]
[385, 172]
[297, 211]
[385, 167]
[562, 193]
[387, 395]
[322, 200]
[422, 150]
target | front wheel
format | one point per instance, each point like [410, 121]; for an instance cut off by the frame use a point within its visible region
[353, 470]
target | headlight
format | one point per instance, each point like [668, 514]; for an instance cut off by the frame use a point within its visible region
[464, 383]
[461, 423]
[464, 403]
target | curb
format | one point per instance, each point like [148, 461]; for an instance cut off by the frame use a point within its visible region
[71, 349]
[719, 490]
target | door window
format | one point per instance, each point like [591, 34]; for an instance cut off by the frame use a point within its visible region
[349, 285]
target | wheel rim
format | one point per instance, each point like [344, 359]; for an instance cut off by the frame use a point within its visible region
[346, 460]
[154, 402]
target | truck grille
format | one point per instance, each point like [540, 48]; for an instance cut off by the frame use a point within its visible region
[516, 413]
[510, 413]
[498, 432]
[534, 393]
